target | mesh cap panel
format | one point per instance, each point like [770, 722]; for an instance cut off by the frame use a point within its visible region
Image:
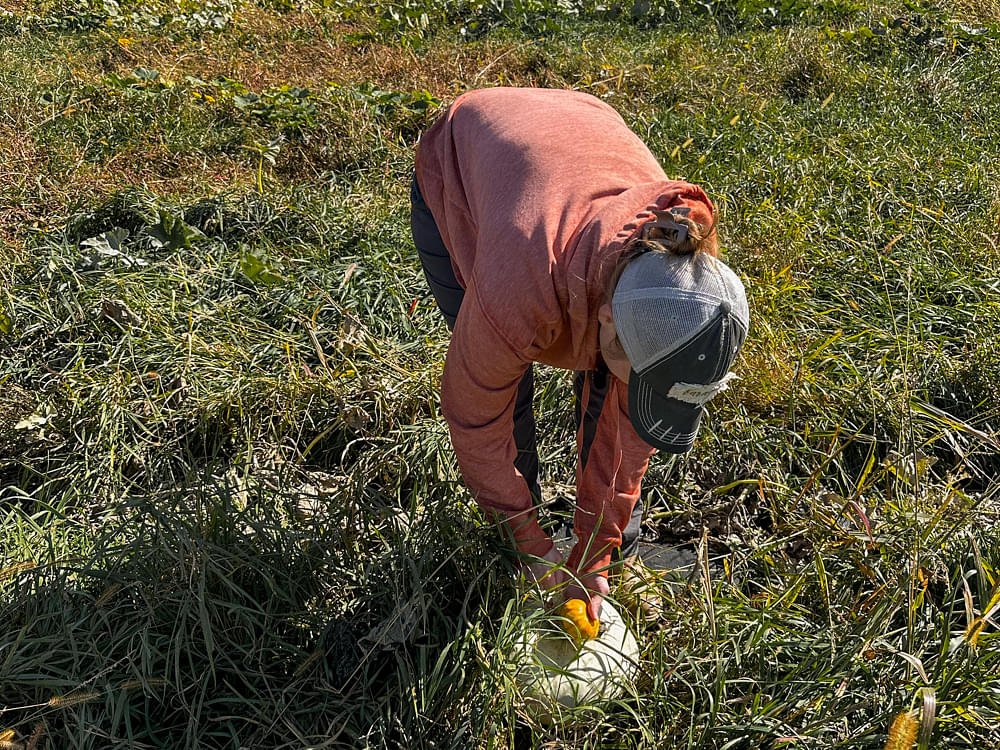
[662, 301]
[650, 321]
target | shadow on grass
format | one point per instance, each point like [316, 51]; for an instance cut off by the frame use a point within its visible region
[204, 617]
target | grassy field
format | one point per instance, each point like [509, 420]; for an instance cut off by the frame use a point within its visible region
[230, 516]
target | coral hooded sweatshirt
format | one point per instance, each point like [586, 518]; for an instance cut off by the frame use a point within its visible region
[536, 193]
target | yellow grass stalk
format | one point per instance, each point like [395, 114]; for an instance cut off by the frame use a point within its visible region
[107, 595]
[13, 570]
[74, 699]
[903, 732]
[307, 664]
[136, 684]
[36, 736]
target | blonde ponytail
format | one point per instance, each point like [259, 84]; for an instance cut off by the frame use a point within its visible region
[660, 237]
[697, 239]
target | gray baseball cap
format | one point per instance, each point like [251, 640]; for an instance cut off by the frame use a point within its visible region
[681, 320]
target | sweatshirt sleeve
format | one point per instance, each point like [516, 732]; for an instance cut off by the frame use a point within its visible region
[607, 482]
[478, 392]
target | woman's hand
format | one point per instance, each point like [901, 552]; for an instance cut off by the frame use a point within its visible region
[592, 589]
[547, 572]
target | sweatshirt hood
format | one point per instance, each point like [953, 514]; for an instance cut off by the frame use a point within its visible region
[589, 265]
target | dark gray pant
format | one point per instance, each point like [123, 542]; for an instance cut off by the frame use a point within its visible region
[441, 278]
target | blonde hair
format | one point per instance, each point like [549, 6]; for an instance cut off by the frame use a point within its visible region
[699, 239]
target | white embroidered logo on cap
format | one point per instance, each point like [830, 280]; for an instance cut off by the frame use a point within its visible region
[697, 394]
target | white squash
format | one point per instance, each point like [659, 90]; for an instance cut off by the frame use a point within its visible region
[553, 673]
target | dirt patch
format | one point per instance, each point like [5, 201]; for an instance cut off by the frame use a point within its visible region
[165, 173]
[20, 158]
[13, 223]
[16, 7]
[981, 11]
[15, 405]
[272, 50]
[157, 169]
[262, 50]
[20, 163]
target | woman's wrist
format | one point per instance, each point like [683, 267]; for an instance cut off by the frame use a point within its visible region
[589, 557]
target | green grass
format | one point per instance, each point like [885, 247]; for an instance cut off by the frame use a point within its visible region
[231, 516]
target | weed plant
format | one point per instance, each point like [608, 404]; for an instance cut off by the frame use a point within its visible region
[229, 511]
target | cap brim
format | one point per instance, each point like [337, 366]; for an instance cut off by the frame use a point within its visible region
[665, 423]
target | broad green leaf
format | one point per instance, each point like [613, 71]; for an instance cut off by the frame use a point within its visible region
[258, 271]
[146, 74]
[31, 423]
[171, 233]
[246, 100]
